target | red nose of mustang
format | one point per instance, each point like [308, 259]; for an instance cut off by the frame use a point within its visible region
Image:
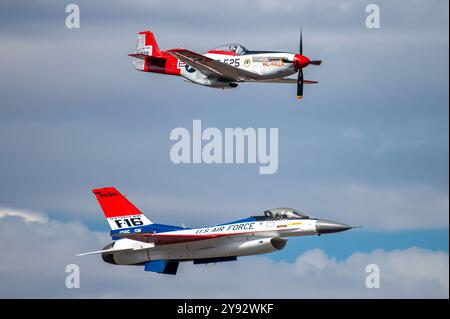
[301, 61]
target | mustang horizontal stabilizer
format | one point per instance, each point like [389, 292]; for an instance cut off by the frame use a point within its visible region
[139, 55]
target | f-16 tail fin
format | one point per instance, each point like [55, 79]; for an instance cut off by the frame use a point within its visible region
[118, 210]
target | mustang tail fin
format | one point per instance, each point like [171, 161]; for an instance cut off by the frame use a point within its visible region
[146, 47]
[118, 210]
[146, 44]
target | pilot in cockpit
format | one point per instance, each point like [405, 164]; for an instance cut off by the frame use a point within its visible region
[285, 213]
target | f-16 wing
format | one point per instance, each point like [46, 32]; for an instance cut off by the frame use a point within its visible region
[167, 238]
[112, 250]
[116, 250]
[212, 68]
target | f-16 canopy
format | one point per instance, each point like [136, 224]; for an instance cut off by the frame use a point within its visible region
[284, 212]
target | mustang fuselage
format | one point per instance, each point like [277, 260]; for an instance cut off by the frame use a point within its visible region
[222, 67]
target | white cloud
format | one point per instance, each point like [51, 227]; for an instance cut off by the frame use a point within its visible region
[411, 273]
[35, 264]
[26, 215]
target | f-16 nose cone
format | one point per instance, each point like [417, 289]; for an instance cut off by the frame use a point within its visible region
[327, 227]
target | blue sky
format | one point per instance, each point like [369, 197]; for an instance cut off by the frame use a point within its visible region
[365, 241]
[367, 146]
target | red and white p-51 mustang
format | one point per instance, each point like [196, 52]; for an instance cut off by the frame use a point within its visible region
[223, 67]
[160, 248]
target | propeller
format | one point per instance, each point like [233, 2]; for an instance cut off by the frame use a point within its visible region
[300, 50]
[300, 84]
[300, 81]
[300, 62]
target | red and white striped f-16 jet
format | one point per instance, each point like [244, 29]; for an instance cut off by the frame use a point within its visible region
[160, 248]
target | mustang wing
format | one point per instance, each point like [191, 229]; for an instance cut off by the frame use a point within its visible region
[286, 80]
[212, 68]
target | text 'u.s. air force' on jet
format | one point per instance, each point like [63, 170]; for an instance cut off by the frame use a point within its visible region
[160, 248]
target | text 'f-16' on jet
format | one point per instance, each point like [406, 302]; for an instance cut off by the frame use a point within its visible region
[160, 248]
[223, 67]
